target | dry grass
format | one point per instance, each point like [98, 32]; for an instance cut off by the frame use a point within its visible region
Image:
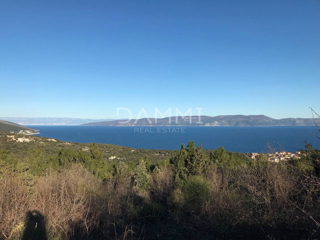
[76, 205]
[14, 203]
[66, 199]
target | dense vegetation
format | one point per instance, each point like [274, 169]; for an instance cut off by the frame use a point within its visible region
[58, 190]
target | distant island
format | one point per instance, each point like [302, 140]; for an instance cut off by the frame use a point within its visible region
[223, 120]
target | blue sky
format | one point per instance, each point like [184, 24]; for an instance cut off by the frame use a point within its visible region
[85, 59]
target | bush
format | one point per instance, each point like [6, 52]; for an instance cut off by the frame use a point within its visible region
[196, 193]
[141, 176]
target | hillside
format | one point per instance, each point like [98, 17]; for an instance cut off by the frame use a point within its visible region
[13, 127]
[51, 120]
[223, 120]
[53, 146]
[61, 190]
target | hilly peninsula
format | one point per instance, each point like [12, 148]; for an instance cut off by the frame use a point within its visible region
[6, 126]
[222, 120]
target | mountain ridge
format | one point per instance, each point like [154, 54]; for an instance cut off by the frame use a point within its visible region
[220, 120]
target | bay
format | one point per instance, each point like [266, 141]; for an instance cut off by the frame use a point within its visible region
[236, 139]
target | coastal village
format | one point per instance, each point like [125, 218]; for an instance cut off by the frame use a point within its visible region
[14, 138]
[278, 156]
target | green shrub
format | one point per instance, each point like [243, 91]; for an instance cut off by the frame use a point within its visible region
[304, 164]
[189, 161]
[196, 193]
[141, 176]
[176, 199]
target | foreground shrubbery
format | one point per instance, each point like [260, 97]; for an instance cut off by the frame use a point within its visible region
[80, 195]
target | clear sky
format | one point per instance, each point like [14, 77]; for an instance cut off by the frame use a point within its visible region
[76, 58]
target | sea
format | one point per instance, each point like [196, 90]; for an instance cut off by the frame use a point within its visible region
[236, 139]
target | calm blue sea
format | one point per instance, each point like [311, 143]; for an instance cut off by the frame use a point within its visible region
[237, 139]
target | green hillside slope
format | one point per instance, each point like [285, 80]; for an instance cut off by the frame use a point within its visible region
[13, 127]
